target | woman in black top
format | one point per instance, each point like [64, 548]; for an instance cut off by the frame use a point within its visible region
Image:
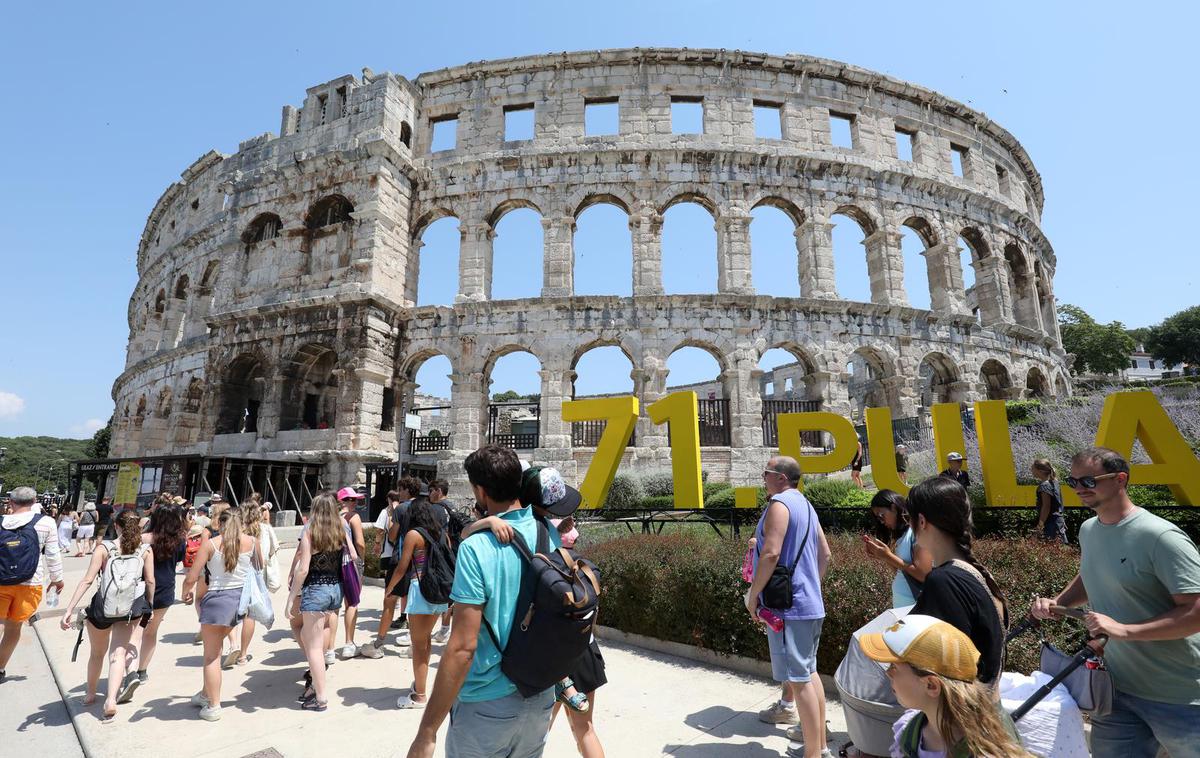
[1052, 522]
[958, 590]
[164, 533]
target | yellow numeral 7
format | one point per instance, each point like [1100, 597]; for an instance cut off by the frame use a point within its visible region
[621, 414]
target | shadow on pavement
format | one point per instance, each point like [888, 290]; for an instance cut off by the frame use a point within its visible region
[177, 638]
[265, 690]
[292, 656]
[747, 750]
[53, 713]
[166, 709]
[379, 698]
[723, 721]
[278, 635]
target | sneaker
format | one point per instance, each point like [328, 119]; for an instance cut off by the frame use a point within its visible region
[779, 713]
[442, 636]
[200, 700]
[211, 713]
[403, 638]
[348, 651]
[330, 657]
[143, 677]
[798, 752]
[128, 686]
[197, 639]
[399, 623]
[406, 701]
[795, 733]
[372, 650]
[405, 652]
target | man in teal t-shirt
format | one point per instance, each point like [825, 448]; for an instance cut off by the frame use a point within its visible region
[490, 718]
[1141, 576]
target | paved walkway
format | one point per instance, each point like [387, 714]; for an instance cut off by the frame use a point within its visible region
[654, 704]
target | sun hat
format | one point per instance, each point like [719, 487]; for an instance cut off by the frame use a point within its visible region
[925, 643]
[544, 487]
[954, 457]
[267, 506]
[349, 493]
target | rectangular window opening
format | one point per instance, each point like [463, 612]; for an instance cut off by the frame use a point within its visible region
[768, 120]
[841, 130]
[518, 122]
[445, 134]
[601, 116]
[687, 115]
[958, 160]
[904, 144]
[323, 105]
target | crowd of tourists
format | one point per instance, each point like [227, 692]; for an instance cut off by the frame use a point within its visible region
[488, 581]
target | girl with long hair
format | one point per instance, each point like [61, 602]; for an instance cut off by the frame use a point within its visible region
[316, 592]
[958, 590]
[896, 547]
[227, 558]
[349, 505]
[251, 516]
[422, 614]
[932, 670]
[119, 636]
[1052, 522]
[165, 535]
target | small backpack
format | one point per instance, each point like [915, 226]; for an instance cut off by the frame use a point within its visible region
[20, 550]
[438, 575]
[455, 523]
[556, 615]
[122, 581]
[191, 550]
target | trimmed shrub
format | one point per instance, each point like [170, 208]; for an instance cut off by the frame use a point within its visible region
[1151, 494]
[712, 488]
[658, 503]
[726, 498]
[624, 492]
[856, 498]
[1022, 412]
[687, 588]
[827, 493]
[658, 483]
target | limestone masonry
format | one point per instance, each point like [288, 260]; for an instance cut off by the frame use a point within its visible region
[274, 315]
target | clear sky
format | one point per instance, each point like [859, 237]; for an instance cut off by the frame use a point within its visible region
[105, 104]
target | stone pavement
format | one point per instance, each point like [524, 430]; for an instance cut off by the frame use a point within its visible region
[654, 704]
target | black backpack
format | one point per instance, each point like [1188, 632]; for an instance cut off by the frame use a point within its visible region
[555, 618]
[455, 523]
[438, 575]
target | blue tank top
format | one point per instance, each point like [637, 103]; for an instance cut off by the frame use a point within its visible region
[806, 580]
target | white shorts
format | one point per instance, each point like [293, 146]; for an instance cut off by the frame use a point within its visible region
[85, 532]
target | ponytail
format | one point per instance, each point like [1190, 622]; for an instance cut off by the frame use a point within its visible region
[231, 539]
[1043, 466]
[130, 535]
[964, 546]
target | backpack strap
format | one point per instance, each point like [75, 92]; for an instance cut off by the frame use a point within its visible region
[910, 738]
[525, 596]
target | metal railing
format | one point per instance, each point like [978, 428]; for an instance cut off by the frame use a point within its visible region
[588, 433]
[429, 443]
[770, 428]
[515, 440]
[715, 428]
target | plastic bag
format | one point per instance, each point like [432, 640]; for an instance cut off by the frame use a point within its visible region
[256, 602]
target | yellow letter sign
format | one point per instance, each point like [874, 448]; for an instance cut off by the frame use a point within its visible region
[845, 442]
[1137, 415]
[681, 410]
[621, 414]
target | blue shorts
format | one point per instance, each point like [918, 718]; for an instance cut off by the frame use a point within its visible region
[1137, 727]
[794, 650]
[419, 605]
[321, 598]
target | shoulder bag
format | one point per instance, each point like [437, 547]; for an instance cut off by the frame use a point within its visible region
[778, 594]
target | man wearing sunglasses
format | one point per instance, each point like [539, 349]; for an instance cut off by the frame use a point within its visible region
[1141, 576]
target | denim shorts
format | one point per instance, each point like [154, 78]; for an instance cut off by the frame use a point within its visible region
[511, 725]
[794, 650]
[1137, 727]
[321, 598]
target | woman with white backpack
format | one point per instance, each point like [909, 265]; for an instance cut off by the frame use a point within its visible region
[118, 611]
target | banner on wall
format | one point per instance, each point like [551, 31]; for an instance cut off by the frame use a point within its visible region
[129, 479]
[174, 477]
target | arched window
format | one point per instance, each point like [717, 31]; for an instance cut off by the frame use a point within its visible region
[264, 227]
[848, 238]
[916, 237]
[242, 391]
[599, 372]
[689, 249]
[517, 255]
[697, 369]
[1036, 384]
[436, 274]
[310, 390]
[936, 373]
[773, 256]
[328, 211]
[181, 287]
[514, 387]
[603, 249]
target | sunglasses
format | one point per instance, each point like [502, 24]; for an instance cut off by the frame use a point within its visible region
[1087, 482]
[770, 471]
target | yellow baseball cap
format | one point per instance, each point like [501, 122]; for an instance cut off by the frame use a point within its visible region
[926, 643]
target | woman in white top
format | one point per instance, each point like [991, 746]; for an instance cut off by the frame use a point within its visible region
[227, 557]
[119, 637]
[66, 527]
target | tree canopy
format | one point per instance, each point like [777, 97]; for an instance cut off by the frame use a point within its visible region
[1177, 339]
[1098, 348]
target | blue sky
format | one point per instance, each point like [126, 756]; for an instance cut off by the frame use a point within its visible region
[106, 104]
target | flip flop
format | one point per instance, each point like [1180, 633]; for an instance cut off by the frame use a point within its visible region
[230, 659]
[244, 661]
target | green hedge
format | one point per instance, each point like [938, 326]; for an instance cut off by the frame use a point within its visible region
[687, 588]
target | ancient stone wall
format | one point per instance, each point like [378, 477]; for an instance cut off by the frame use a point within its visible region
[274, 313]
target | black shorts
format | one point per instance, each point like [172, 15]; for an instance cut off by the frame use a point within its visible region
[401, 588]
[141, 612]
[856, 464]
[588, 673]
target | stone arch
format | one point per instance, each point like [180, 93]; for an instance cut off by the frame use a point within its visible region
[438, 212]
[162, 407]
[1020, 286]
[411, 364]
[852, 270]
[921, 268]
[181, 287]
[868, 221]
[595, 256]
[611, 348]
[868, 371]
[936, 374]
[773, 238]
[310, 389]
[329, 211]
[423, 284]
[581, 201]
[597, 342]
[688, 193]
[160, 303]
[690, 252]
[996, 379]
[976, 251]
[241, 391]
[508, 348]
[1036, 384]
[795, 380]
[507, 206]
[924, 228]
[517, 423]
[265, 226]
[517, 251]
[792, 210]
[1045, 298]
[209, 278]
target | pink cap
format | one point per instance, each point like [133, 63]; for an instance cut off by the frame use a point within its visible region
[349, 493]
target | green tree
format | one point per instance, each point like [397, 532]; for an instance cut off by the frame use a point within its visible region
[97, 447]
[506, 396]
[1098, 348]
[1177, 339]
[1141, 335]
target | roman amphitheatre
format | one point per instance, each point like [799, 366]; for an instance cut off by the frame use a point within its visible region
[276, 331]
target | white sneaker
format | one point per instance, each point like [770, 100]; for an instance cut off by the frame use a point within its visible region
[406, 701]
[779, 714]
[330, 657]
[405, 652]
[441, 636]
[373, 649]
[200, 700]
[403, 637]
[211, 713]
[348, 651]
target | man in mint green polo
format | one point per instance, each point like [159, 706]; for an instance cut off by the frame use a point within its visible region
[488, 716]
[1141, 576]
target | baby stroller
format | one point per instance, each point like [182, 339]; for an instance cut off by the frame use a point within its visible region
[871, 708]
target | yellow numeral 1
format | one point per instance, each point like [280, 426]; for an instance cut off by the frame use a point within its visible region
[681, 410]
[621, 414]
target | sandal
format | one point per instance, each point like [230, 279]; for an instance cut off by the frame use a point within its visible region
[244, 661]
[578, 701]
[308, 694]
[312, 704]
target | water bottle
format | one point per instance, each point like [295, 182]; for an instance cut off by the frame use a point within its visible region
[52, 598]
[771, 618]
